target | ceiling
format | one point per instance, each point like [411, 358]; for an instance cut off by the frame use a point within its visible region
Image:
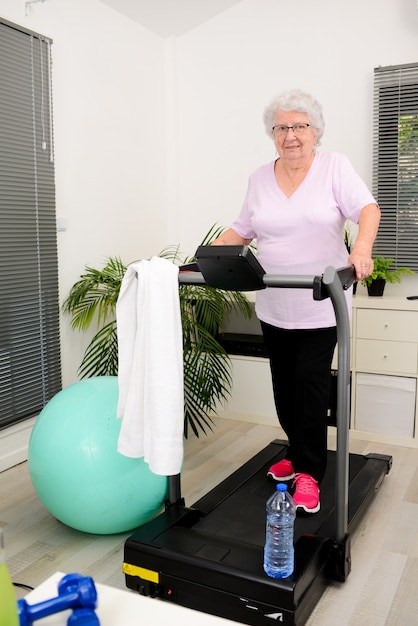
[168, 18]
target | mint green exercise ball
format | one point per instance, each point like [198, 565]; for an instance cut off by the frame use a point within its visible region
[75, 467]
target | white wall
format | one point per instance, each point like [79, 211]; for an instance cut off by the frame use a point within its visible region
[154, 139]
[109, 93]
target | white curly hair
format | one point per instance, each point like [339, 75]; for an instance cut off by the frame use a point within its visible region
[295, 100]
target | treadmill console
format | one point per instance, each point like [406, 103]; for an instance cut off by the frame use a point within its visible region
[233, 268]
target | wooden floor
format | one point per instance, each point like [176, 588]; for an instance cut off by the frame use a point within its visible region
[382, 588]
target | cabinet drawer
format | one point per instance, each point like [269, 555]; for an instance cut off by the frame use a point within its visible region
[387, 325]
[386, 356]
[385, 404]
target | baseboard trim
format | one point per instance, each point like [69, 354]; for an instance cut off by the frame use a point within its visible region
[14, 444]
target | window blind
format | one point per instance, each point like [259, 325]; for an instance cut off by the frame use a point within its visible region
[30, 371]
[395, 162]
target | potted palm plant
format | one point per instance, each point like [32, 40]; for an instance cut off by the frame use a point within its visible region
[382, 274]
[207, 366]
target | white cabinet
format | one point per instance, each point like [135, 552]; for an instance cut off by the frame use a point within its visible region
[385, 366]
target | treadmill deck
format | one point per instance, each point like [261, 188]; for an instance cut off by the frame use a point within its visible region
[210, 556]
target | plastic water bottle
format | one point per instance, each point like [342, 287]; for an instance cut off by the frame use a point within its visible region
[8, 602]
[279, 549]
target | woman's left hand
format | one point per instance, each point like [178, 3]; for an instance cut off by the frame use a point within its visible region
[363, 265]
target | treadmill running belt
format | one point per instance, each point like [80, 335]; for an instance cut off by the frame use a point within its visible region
[242, 516]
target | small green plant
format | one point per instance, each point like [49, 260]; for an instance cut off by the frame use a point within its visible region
[382, 271]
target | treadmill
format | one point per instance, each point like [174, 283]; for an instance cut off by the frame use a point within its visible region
[209, 556]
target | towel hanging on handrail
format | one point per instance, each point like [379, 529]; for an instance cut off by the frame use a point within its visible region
[150, 371]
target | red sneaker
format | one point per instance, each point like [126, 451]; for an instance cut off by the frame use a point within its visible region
[306, 494]
[283, 470]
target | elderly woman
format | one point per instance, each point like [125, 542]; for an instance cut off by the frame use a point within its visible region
[295, 208]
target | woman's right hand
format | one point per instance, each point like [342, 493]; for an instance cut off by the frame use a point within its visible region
[230, 238]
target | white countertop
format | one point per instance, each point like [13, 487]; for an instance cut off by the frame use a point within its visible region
[117, 607]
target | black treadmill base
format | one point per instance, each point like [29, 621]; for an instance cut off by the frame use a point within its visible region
[232, 606]
[209, 557]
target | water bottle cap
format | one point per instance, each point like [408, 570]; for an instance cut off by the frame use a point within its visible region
[281, 487]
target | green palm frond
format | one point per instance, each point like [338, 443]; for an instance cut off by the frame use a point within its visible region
[208, 382]
[213, 233]
[101, 355]
[172, 253]
[95, 294]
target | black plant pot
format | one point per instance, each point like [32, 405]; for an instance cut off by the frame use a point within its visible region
[376, 287]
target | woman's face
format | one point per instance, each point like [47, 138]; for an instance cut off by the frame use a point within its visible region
[294, 146]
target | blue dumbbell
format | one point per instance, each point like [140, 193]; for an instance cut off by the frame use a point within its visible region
[74, 592]
[83, 617]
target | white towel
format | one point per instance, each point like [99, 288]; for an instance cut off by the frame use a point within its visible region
[150, 376]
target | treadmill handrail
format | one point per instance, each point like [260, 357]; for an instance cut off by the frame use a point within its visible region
[334, 282]
[189, 277]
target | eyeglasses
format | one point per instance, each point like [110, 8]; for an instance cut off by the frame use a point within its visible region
[298, 129]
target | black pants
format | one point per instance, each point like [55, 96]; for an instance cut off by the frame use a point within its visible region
[300, 362]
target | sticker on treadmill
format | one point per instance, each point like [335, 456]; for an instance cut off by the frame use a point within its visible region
[278, 616]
